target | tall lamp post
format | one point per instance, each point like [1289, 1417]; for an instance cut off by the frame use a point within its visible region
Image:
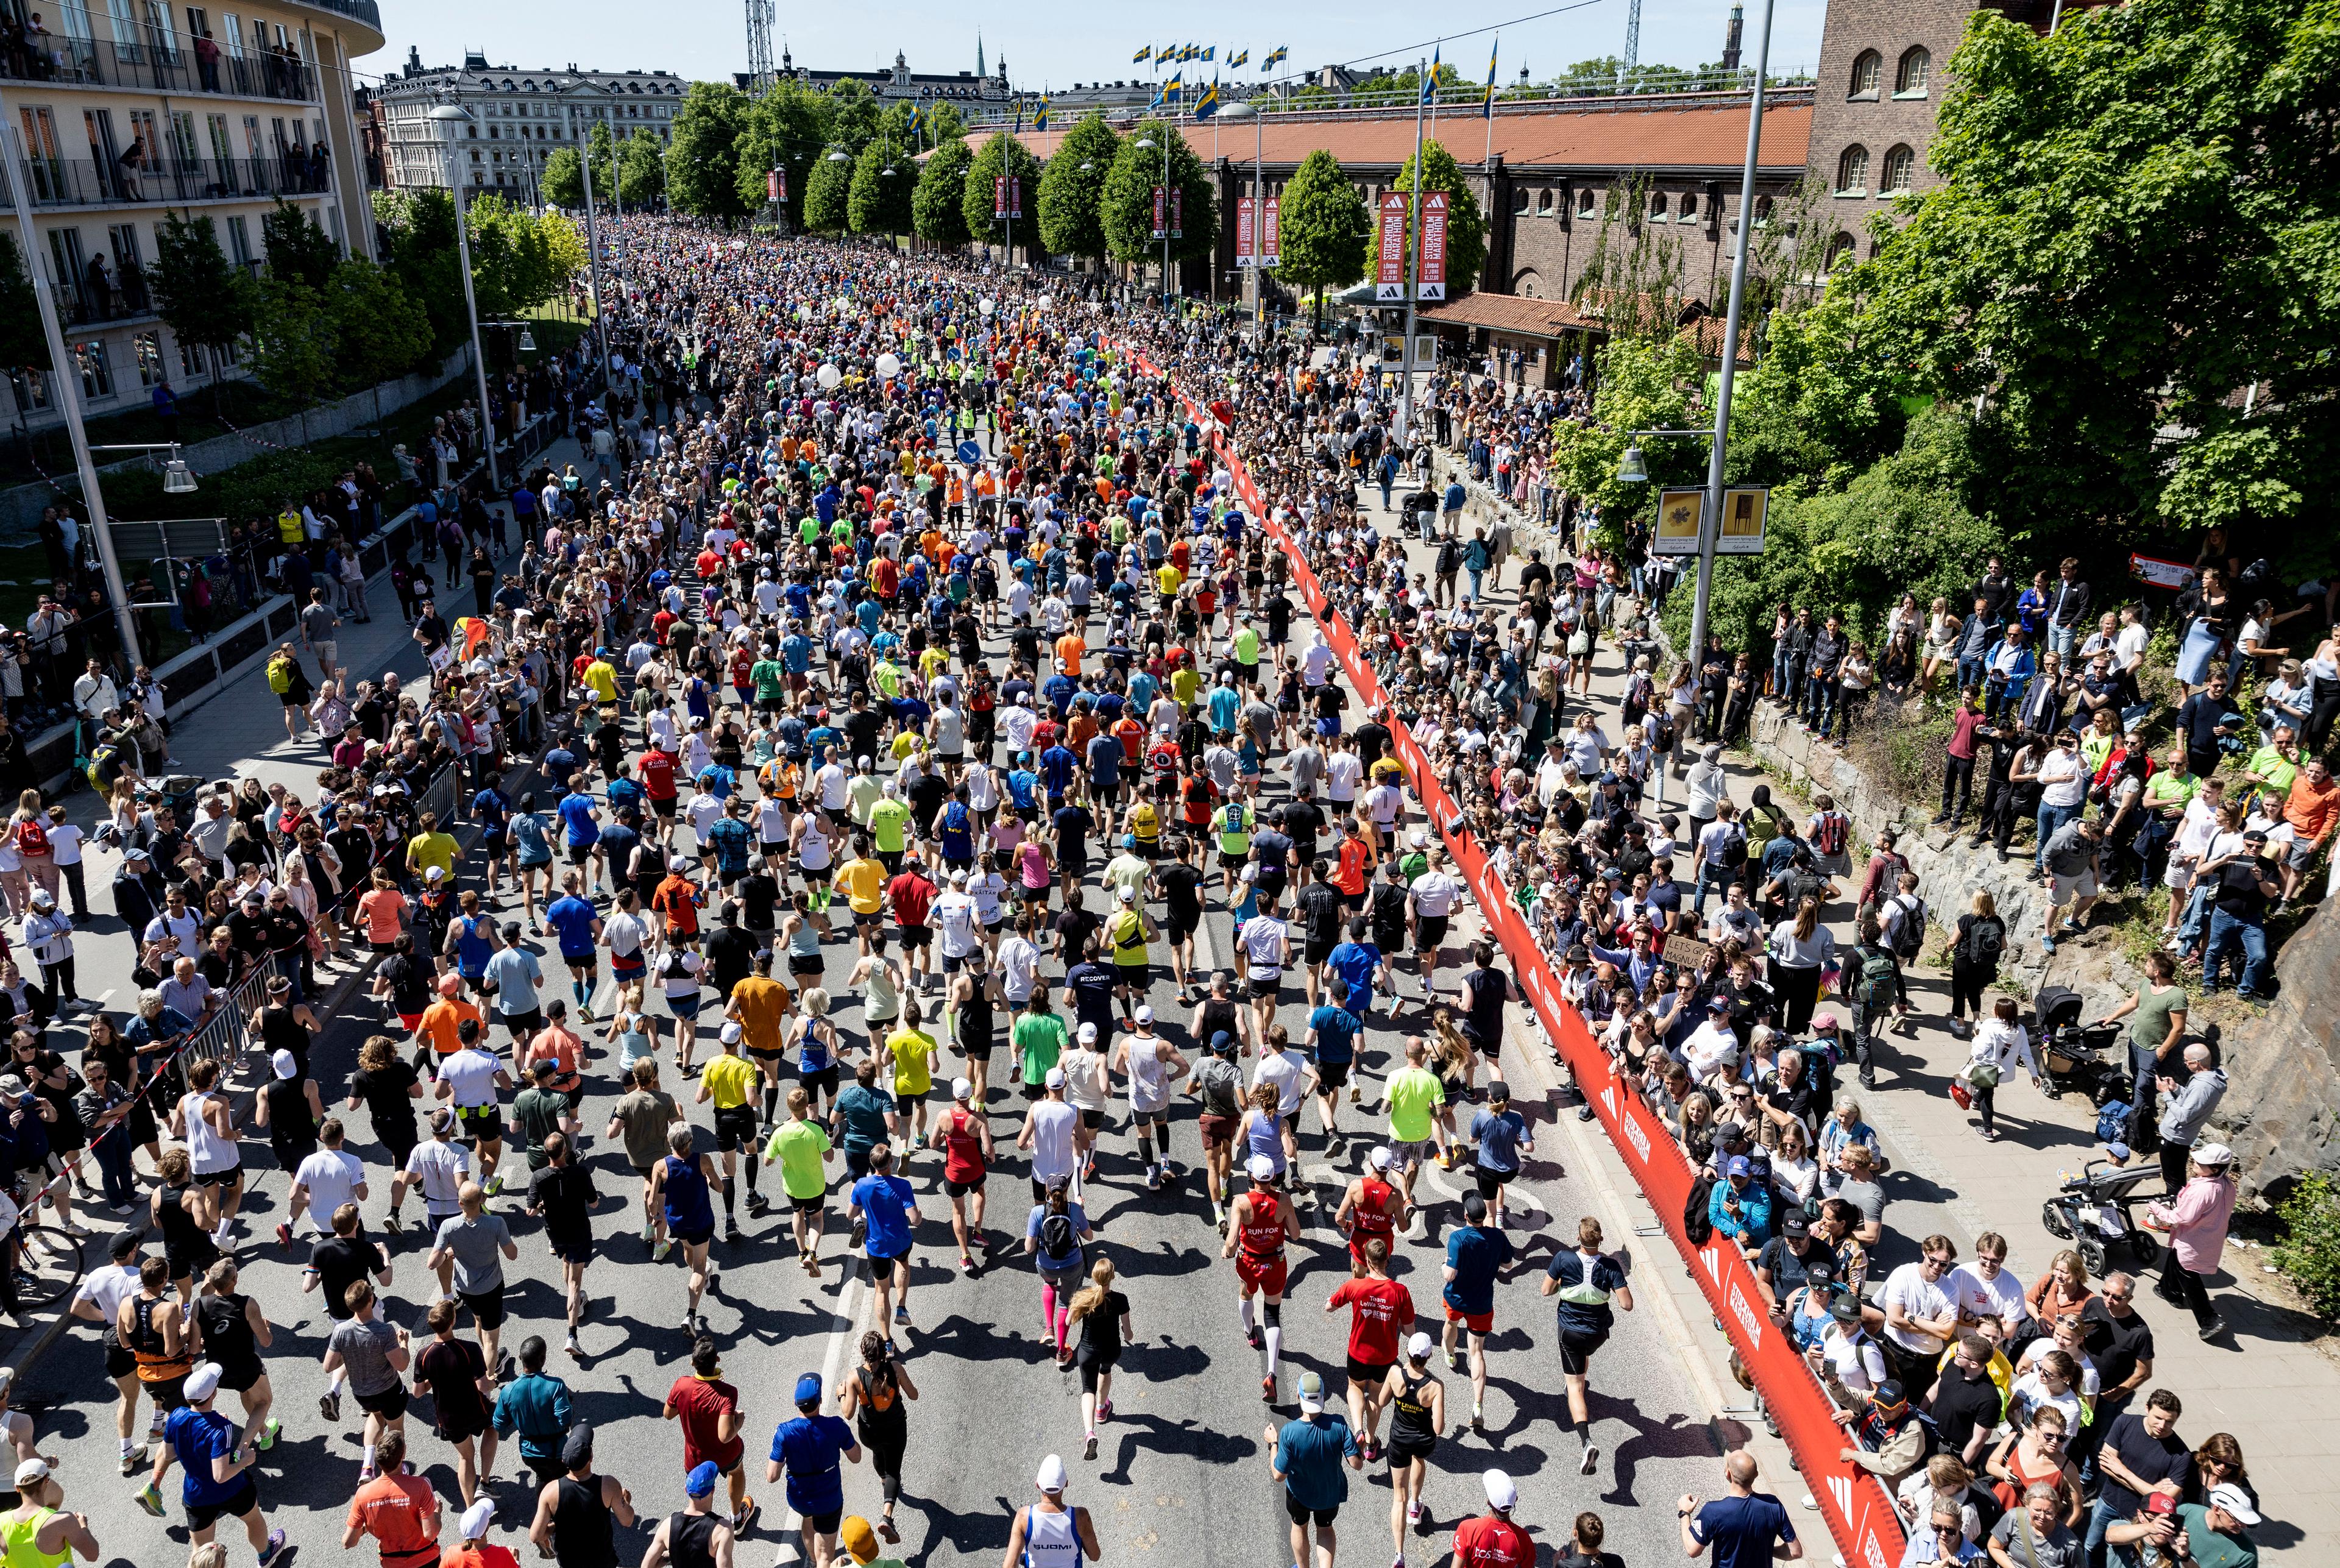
[1147, 142]
[1630, 470]
[593, 229]
[451, 119]
[67, 382]
[1245, 109]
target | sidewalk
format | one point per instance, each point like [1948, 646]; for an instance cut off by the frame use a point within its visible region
[1947, 1179]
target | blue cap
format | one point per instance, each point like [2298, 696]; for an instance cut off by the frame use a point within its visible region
[1737, 1166]
[808, 1388]
[700, 1482]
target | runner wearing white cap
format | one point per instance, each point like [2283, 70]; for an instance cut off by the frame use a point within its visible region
[1260, 1222]
[218, 1460]
[38, 1530]
[1492, 1540]
[964, 1135]
[1051, 1532]
[1417, 1401]
[1150, 1063]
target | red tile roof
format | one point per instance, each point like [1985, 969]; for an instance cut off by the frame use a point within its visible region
[1612, 136]
[1510, 314]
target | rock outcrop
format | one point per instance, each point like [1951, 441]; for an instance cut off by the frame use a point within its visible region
[2283, 1098]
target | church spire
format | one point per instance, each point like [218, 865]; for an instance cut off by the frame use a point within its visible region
[980, 72]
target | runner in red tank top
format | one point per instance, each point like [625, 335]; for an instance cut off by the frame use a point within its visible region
[1492, 1540]
[965, 1139]
[1261, 1221]
[1371, 1207]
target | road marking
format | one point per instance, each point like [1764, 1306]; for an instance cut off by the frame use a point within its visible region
[844, 1328]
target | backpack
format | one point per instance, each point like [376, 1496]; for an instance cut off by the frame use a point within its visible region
[1876, 977]
[2112, 1122]
[1698, 1224]
[1734, 849]
[1057, 1237]
[280, 675]
[1985, 940]
[1912, 931]
[1663, 740]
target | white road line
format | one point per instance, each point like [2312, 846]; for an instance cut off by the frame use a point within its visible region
[845, 1327]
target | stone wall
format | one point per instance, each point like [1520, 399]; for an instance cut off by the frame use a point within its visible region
[2283, 1095]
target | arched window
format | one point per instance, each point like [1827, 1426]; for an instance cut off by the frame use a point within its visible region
[1901, 164]
[1852, 170]
[1588, 202]
[1865, 72]
[1762, 210]
[1916, 67]
[1689, 208]
[1520, 201]
[1658, 207]
[1543, 204]
[1840, 251]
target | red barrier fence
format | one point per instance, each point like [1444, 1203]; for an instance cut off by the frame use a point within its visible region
[1859, 1514]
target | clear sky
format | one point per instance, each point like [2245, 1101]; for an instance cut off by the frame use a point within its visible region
[1056, 43]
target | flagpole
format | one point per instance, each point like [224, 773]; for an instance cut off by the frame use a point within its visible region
[1413, 286]
[1488, 157]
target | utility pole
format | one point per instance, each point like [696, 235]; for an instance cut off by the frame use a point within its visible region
[592, 236]
[1413, 269]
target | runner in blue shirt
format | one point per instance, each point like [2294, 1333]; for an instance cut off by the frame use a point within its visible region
[1332, 1031]
[580, 931]
[1357, 963]
[889, 1207]
[1501, 1134]
[1476, 1256]
[205, 1442]
[807, 1448]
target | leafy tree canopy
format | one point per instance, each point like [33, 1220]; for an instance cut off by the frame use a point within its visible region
[878, 200]
[702, 155]
[1466, 230]
[1072, 222]
[1128, 206]
[1001, 152]
[1322, 227]
[938, 205]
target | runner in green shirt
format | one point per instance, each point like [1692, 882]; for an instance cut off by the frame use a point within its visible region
[1413, 1096]
[1037, 1040]
[770, 677]
[801, 1147]
[889, 821]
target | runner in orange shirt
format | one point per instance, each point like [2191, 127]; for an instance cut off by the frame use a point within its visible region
[444, 1018]
[400, 1511]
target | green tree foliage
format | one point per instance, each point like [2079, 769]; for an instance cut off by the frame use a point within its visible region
[1071, 197]
[938, 205]
[21, 341]
[853, 113]
[1002, 152]
[512, 264]
[826, 195]
[1128, 206]
[600, 156]
[205, 298]
[1636, 279]
[878, 200]
[1323, 230]
[292, 339]
[641, 169]
[2134, 224]
[944, 122]
[563, 179]
[702, 155]
[1466, 230]
[788, 128]
[1643, 383]
[378, 331]
[422, 227]
[297, 249]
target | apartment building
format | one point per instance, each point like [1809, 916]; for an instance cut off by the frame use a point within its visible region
[119, 112]
[518, 117]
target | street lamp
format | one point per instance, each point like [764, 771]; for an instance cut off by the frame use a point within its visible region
[178, 479]
[1245, 109]
[451, 119]
[1146, 142]
[1630, 470]
[584, 146]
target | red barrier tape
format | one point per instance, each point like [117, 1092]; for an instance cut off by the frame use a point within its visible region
[1859, 1514]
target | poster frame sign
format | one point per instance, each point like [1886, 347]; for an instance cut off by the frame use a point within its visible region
[1389, 249]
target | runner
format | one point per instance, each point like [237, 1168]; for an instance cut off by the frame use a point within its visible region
[1050, 1533]
[1150, 1064]
[563, 1196]
[1102, 1315]
[1413, 1097]
[234, 1331]
[1476, 1256]
[1381, 1314]
[218, 1461]
[802, 1147]
[396, 1507]
[888, 1207]
[1307, 1456]
[965, 1139]
[640, 1120]
[39, 1532]
[1260, 1222]
[1218, 1085]
[577, 1512]
[476, 1244]
[730, 1081]
[1585, 1279]
[1492, 1540]
[681, 1185]
[697, 1537]
[873, 1398]
[462, 1398]
[708, 1409]
[1054, 1234]
[1417, 1401]
[808, 1448]
[1372, 1207]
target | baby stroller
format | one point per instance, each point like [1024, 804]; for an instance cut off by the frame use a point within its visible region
[2073, 1057]
[2091, 1211]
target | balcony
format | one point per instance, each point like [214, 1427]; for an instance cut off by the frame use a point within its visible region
[67, 183]
[88, 302]
[158, 63]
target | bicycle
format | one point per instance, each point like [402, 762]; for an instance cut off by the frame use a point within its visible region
[48, 1266]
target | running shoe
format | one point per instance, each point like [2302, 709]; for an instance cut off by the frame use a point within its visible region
[1591, 1457]
[741, 1520]
[1267, 1389]
[149, 1498]
[1455, 1359]
[1412, 1515]
[1478, 1417]
[665, 1245]
[284, 1233]
[649, 1231]
[966, 1263]
[133, 1458]
[269, 1434]
[329, 1405]
[575, 1350]
[901, 1317]
[495, 1185]
[274, 1549]
[1251, 1337]
[731, 1232]
[1089, 1448]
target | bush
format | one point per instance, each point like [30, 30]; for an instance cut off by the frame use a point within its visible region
[2311, 1253]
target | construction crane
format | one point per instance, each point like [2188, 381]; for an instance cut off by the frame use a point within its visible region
[760, 43]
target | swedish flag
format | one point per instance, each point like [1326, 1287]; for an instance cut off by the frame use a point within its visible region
[1241, 58]
[1040, 120]
[1429, 83]
[1145, 53]
[1276, 57]
[1209, 51]
[1492, 51]
[1208, 103]
[1172, 90]
[917, 118]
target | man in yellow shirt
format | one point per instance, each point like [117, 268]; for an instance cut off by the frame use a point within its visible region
[916, 1056]
[728, 1081]
[862, 880]
[1169, 579]
[602, 676]
[760, 1005]
[290, 529]
[430, 848]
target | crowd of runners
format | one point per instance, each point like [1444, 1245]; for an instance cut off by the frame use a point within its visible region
[776, 737]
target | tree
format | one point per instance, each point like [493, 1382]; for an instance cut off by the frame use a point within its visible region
[296, 248]
[2132, 227]
[1001, 153]
[853, 113]
[378, 331]
[1072, 222]
[944, 122]
[937, 207]
[641, 169]
[878, 200]
[292, 340]
[1466, 230]
[601, 156]
[205, 299]
[563, 180]
[1128, 209]
[423, 252]
[1323, 229]
[825, 204]
[702, 173]
[22, 343]
[788, 128]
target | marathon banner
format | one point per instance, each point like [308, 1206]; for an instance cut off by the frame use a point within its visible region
[1161, 214]
[1016, 196]
[1006, 197]
[1271, 239]
[1860, 1514]
[1178, 212]
[1243, 233]
[1434, 247]
[1389, 250]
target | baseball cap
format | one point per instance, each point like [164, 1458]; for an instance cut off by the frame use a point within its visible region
[1051, 1476]
[808, 1388]
[733, 1034]
[1088, 1034]
[1845, 1309]
[1502, 1496]
[2217, 1155]
[2225, 1495]
[1718, 1004]
[1381, 1157]
[1737, 1166]
[1312, 1391]
[1146, 1015]
[1420, 1346]
[1056, 1075]
[859, 1540]
[1126, 895]
[1222, 1042]
[700, 1482]
[961, 1089]
[203, 1382]
[478, 1519]
[32, 1472]
[1261, 1168]
[1796, 1223]
[2160, 1502]
[286, 1064]
[577, 1447]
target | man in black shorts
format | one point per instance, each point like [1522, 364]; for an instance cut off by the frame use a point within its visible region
[563, 1197]
[1181, 882]
[1322, 909]
[1585, 1279]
